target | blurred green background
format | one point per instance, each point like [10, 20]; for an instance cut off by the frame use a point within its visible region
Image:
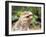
[17, 10]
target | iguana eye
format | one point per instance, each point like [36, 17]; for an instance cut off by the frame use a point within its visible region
[27, 16]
